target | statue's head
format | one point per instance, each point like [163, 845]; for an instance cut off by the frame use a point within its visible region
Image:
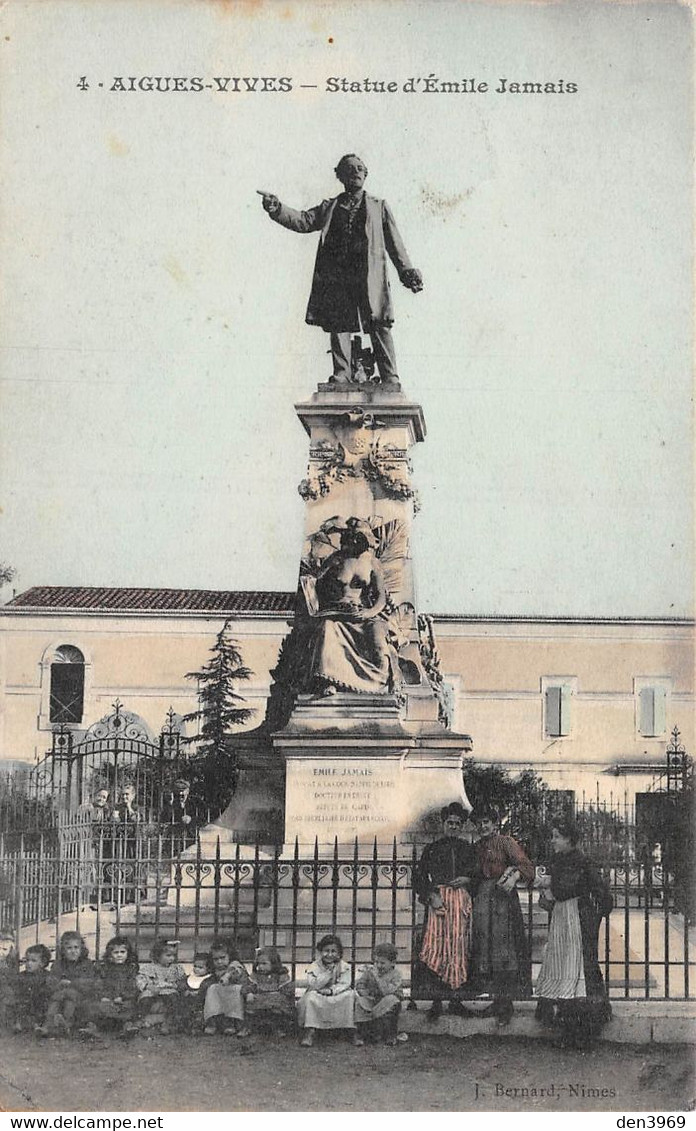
[357, 536]
[354, 543]
[351, 171]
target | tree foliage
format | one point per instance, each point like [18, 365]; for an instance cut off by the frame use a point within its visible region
[219, 713]
[7, 573]
[527, 807]
[524, 803]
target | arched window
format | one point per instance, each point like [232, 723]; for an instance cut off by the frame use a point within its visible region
[67, 685]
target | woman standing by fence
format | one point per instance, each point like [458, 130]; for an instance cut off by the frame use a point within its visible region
[443, 881]
[570, 975]
[501, 952]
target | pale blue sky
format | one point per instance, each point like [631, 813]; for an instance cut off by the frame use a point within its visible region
[153, 322]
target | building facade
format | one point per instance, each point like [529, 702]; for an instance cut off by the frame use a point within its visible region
[588, 703]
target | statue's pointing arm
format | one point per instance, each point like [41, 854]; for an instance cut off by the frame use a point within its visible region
[310, 221]
[409, 276]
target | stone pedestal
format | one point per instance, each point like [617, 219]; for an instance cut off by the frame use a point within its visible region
[354, 746]
[355, 770]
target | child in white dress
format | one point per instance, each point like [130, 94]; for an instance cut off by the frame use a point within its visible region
[161, 983]
[328, 1001]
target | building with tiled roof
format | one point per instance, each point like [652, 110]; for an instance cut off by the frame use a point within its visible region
[587, 702]
[100, 598]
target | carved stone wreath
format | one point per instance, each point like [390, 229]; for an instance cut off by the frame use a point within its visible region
[377, 466]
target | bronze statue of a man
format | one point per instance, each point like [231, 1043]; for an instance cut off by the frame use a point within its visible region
[350, 289]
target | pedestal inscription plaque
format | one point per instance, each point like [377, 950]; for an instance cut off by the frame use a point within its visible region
[343, 798]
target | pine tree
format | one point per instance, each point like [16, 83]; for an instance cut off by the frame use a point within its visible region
[215, 769]
[7, 573]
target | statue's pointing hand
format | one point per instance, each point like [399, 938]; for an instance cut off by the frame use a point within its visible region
[269, 202]
[411, 278]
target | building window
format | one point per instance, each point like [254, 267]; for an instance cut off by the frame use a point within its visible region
[652, 712]
[557, 709]
[67, 685]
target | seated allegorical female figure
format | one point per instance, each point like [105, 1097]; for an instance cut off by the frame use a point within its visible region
[346, 633]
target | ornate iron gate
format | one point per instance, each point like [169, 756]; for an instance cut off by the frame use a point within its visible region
[118, 750]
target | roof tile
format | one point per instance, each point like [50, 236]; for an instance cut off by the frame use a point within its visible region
[152, 600]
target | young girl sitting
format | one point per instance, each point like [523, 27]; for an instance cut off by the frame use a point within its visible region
[8, 978]
[117, 992]
[224, 992]
[34, 989]
[161, 983]
[271, 1002]
[378, 995]
[327, 1003]
[73, 1000]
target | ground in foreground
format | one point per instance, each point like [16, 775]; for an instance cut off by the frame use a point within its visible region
[426, 1074]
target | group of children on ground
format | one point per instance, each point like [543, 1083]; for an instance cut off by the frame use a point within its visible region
[75, 995]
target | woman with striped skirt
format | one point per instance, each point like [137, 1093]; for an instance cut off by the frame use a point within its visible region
[443, 880]
[570, 977]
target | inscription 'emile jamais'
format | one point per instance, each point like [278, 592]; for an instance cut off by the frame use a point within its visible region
[346, 795]
[342, 773]
[432, 84]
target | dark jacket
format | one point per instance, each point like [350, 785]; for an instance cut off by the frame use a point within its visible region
[328, 300]
[443, 861]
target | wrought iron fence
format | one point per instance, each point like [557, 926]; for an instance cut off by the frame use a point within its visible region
[117, 750]
[146, 885]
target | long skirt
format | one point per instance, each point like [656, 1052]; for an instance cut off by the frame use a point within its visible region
[570, 974]
[447, 938]
[223, 1001]
[562, 973]
[315, 1011]
[500, 951]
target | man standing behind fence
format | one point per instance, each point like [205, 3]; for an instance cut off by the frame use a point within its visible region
[177, 818]
[128, 816]
[94, 821]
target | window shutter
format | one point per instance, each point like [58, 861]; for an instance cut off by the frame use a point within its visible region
[660, 710]
[647, 711]
[564, 727]
[553, 711]
[558, 710]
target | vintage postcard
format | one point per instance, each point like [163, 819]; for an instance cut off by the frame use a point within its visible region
[346, 621]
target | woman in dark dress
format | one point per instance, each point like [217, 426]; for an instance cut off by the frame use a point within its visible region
[570, 976]
[500, 950]
[443, 882]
